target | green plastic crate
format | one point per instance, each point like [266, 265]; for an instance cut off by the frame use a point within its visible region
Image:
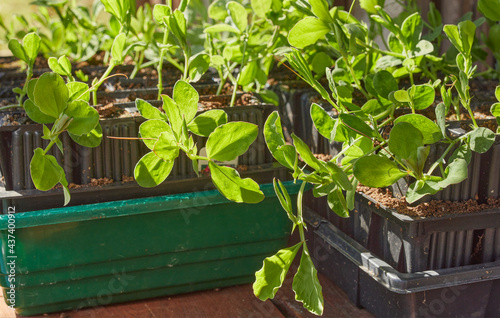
[92, 255]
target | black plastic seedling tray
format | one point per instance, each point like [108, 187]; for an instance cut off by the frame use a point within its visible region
[371, 283]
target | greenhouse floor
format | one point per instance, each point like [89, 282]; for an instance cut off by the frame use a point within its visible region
[233, 302]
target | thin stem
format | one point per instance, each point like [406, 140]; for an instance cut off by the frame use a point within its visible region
[186, 66]
[138, 64]
[235, 83]
[441, 159]
[160, 62]
[9, 106]
[96, 86]
[52, 142]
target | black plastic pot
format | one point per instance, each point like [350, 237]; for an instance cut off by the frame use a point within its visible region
[372, 283]
[412, 244]
[34, 200]
[113, 159]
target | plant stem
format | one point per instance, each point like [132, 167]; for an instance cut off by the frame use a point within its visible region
[9, 106]
[52, 142]
[235, 83]
[441, 159]
[300, 218]
[96, 86]
[186, 66]
[138, 64]
[160, 63]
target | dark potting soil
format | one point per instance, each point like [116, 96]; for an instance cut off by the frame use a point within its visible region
[434, 208]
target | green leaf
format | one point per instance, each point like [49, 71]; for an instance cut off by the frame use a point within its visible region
[322, 121]
[221, 27]
[339, 176]
[151, 170]
[78, 90]
[481, 139]
[269, 97]
[404, 140]
[17, 50]
[228, 182]
[91, 140]
[440, 119]
[198, 66]
[31, 45]
[497, 93]
[285, 200]
[51, 94]
[429, 130]
[173, 113]
[186, 98]
[495, 111]
[320, 9]
[118, 8]
[205, 123]
[423, 96]
[369, 5]
[161, 11]
[376, 171]
[217, 10]
[231, 140]
[451, 32]
[271, 276]
[402, 96]
[35, 114]
[248, 73]
[45, 171]
[31, 89]
[490, 9]
[423, 47]
[306, 154]
[238, 15]
[261, 7]
[456, 172]
[337, 203]
[357, 125]
[412, 30]
[148, 111]
[306, 285]
[58, 68]
[166, 146]
[384, 83]
[429, 187]
[151, 130]
[84, 117]
[307, 31]
[275, 141]
[118, 48]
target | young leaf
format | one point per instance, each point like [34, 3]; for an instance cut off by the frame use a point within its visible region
[35, 114]
[261, 7]
[384, 83]
[173, 113]
[17, 50]
[151, 170]
[307, 31]
[221, 27]
[118, 48]
[186, 98]
[148, 111]
[198, 66]
[84, 117]
[456, 172]
[51, 94]
[440, 119]
[404, 140]
[238, 15]
[412, 30]
[90, 140]
[270, 277]
[337, 203]
[275, 141]
[161, 11]
[205, 123]
[481, 139]
[231, 140]
[320, 9]
[322, 121]
[415, 193]
[78, 90]
[429, 130]
[45, 171]
[377, 171]
[285, 200]
[357, 125]
[151, 129]
[490, 9]
[306, 285]
[248, 73]
[423, 96]
[166, 147]
[306, 154]
[228, 182]
[369, 5]
[118, 8]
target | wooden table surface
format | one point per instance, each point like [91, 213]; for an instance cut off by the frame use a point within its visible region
[229, 302]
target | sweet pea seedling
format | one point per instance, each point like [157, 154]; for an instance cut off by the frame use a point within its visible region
[66, 107]
[168, 133]
[26, 52]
